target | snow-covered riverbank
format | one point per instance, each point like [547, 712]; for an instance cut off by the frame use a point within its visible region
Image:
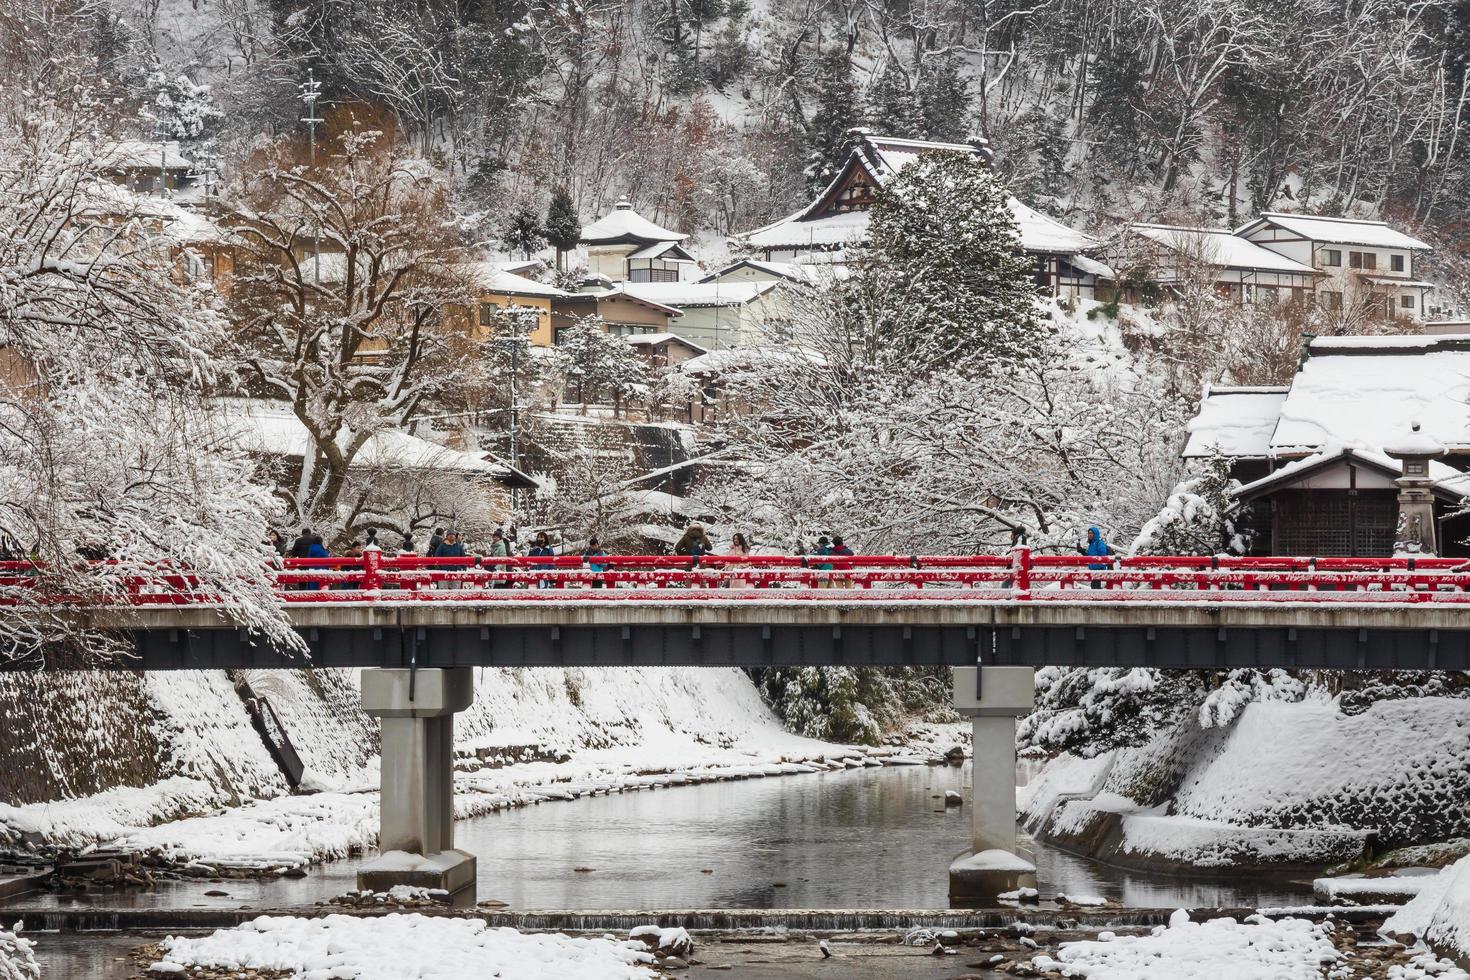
[531, 736]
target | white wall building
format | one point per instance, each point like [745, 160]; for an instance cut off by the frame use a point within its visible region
[624, 246]
[1359, 263]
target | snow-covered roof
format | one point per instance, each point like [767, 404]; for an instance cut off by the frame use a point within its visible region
[1039, 233]
[1366, 391]
[489, 277]
[747, 358]
[791, 271]
[668, 251]
[890, 154]
[143, 155]
[1219, 247]
[270, 428]
[654, 339]
[1235, 422]
[622, 223]
[1336, 231]
[617, 292]
[1091, 266]
[694, 294]
[1446, 479]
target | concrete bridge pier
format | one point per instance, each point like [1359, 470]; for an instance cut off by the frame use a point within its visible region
[416, 841]
[992, 698]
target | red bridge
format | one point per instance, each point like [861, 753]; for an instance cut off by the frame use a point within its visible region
[1020, 608]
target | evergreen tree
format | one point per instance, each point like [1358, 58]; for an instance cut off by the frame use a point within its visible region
[947, 250]
[943, 99]
[837, 112]
[593, 362]
[563, 227]
[892, 105]
[523, 232]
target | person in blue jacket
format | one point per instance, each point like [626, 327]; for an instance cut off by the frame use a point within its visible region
[316, 549]
[1096, 547]
[542, 549]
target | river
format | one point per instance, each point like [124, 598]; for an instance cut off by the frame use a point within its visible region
[864, 838]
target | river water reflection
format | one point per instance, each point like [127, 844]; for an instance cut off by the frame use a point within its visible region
[866, 838]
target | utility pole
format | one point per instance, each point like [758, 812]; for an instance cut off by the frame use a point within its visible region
[311, 91]
[516, 319]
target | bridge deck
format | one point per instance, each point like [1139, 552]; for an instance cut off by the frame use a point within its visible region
[1187, 612]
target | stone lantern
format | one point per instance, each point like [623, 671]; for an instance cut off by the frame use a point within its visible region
[1416, 530]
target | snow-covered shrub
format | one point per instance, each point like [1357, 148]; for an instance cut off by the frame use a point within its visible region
[1087, 711]
[1197, 519]
[851, 704]
[17, 962]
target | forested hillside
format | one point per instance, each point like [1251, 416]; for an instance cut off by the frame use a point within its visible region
[720, 115]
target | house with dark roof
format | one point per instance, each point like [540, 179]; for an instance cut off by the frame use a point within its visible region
[1317, 458]
[838, 218]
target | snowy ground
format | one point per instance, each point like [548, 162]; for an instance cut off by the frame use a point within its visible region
[405, 947]
[1256, 949]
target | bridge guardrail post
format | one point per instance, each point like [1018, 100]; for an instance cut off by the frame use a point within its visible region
[372, 564]
[1021, 571]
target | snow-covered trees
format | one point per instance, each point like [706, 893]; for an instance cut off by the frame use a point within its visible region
[947, 258]
[108, 448]
[594, 362]
[1197, 519]
[346, 275]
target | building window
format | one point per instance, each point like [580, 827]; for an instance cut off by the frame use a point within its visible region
[1266, 295]
[1332, 256]
[488, 313]
[1396, 263]
[1355, 260]
[1331, 300]
[1406, 301]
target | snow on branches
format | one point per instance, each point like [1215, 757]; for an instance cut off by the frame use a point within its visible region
[348, 299]
[106, 441]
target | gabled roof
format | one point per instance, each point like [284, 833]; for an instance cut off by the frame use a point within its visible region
[790, 271]
[143, 155]
[1449, 483]
[654, 339]
[1337, 231]
[1235, 421]
[624, 225]
[489, 277]
[1220, 247]
[881, 158]
[686, 295]
[617, 292]
[1366, 391]
[668, 251]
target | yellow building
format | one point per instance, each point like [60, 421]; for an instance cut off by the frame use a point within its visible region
[500, 291]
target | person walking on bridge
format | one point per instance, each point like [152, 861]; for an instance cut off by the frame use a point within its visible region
[1096, 547]
[590, 554]
[542, 549]
[301, 547]
[840, 550]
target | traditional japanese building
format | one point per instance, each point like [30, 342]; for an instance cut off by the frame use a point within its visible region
[838, 218]
[1356, 263]
[624, 246]
[1165, 257]
[1316, 457]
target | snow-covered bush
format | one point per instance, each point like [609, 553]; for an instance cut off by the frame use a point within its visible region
[850, 704]
[17, 962]
[1197, 519]
[1087, 711]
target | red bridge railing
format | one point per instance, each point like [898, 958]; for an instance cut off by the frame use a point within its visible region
[1016, 576]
